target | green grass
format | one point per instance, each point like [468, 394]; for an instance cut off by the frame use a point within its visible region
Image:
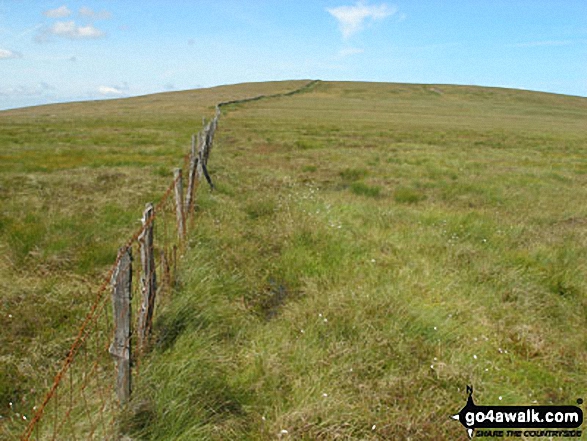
[366, 190]
[370, 251]
[429, 243]
[407, 195]
[74, 179]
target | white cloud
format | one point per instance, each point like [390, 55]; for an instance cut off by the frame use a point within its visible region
[91, 14]
[109, 90]
[60, 12]
[6, 54]
[351, 19]
[70, 30]
[116, 90]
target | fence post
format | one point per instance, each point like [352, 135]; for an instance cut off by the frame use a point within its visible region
[120, 348]
[201, 147]
[179, 204]
[203, 152]
[206, 150]
[206, 175]
[189, 196]
[148, 276]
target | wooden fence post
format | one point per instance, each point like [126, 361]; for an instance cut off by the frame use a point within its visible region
[189, 196]
[203, 152]
[120, 348]
[205, 171]
[148, 276]
[201, 147]
[179, 204]
[210, 128]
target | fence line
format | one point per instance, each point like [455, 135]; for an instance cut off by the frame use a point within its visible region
[85, 398]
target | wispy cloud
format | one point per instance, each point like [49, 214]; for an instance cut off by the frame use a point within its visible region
[348, 51]
[91, 14]
[543, 43]
[6, 54]
[26, 32]
[60, 12]
[21, 90]
[69, 30]
[116, 90]
[352, 19]
[110, 91]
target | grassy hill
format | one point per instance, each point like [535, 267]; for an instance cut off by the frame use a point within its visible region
[74, 179]
[370, 250]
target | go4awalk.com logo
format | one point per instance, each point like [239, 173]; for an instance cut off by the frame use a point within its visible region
[518, 421]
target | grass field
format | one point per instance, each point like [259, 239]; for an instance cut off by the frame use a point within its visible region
[74, 179]
[371, 249]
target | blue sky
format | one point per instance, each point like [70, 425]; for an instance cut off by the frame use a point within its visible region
[55, 51]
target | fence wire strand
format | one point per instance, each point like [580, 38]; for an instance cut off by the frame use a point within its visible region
[82, 401]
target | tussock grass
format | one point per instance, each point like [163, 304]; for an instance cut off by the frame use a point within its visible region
[308, 311]
[313, 311]
[74, 179]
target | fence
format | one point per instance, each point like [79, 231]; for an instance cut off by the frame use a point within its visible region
[85, 397]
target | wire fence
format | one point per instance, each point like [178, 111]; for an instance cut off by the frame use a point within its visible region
[94, 381]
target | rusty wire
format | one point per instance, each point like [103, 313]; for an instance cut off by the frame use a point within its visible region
[99, 310]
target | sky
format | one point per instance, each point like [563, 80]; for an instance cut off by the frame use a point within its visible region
[69, 50]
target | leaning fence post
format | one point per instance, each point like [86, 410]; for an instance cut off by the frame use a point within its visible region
[148, 276]
[209, 139]
[201, 147]
[179, 204]
[120, 348]
[189, 196]
[205, 171]
[203, 153]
